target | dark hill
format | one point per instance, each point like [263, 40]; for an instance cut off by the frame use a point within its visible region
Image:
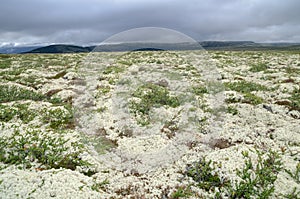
[61, 48]
[207, 45]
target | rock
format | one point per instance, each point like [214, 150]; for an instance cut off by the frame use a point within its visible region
[284, 102]
[79, 81]
[221, 143]
[58, 75]
[288, 81]
[268, 108]
[52, 92]
[163, 83]
[71, 76]
[295, 114]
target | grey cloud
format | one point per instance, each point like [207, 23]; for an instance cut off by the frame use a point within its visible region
[79, 21]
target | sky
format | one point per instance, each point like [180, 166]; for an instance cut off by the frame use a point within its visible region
[84, 22]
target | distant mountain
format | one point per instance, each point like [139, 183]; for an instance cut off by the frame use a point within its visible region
[61, 48]
[248, 45]
[207, 45]
[220, 44]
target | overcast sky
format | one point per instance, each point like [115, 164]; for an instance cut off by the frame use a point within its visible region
[91, 21]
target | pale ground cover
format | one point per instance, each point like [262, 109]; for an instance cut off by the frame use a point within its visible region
[143, 126]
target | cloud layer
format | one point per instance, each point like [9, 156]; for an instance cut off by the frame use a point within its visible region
[90, 21]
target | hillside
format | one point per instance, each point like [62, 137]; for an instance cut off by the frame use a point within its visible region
[60, 48]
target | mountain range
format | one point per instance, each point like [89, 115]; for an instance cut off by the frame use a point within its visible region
[207, 45]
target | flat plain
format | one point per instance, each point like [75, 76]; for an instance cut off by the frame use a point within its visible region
[150, 124]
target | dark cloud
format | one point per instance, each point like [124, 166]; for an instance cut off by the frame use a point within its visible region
[85, 21]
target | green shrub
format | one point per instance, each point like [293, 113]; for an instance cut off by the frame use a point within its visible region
[204, 175]
[20, 111]
[182, 192]
[5, 61]
[37, 146]
[245, 87]
[295, 98]
[259, 67]
[257, 181]
[232, 110]
[150, 95]
[99, 186]
[58, 118]
[113, 69]
[10, 93]
[200, 90]
[295, 175]
[250, 98]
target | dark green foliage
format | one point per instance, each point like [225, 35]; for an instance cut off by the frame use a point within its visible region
[20, 111]
[10, 93]
[295, 175]
[257, 180]
[181, 192]
[232, 110]
[200, 90]
[295, 98]
[204, 175]
[99, 186]
[113, 69]
[250, 98]
[5, 61]
[36, 146]
[259, 67]
[245, 87]
[151, 95]
[58, 118]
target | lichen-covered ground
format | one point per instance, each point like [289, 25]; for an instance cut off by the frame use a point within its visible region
[150, 125]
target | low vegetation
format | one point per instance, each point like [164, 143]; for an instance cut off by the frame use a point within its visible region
[150, 95]
[246, 88]
[35, 148]
[9, 93]
[38, 128]
[259, 67]
[255, 180]
[205, 176]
